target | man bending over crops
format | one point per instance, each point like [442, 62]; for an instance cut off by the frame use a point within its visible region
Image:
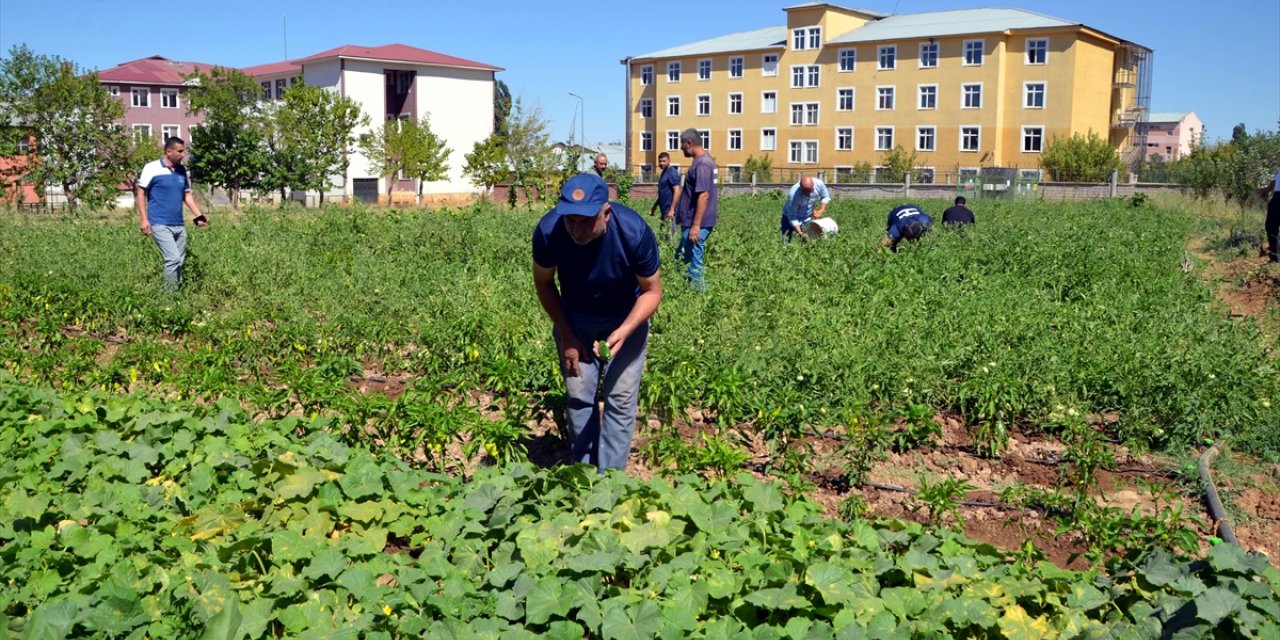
[906, 222]
[808, 199]
[605, 257]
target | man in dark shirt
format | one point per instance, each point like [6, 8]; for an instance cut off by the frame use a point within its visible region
[668, 193]
[605, 257]
[697, 206]
[958, 215]
[906, 222]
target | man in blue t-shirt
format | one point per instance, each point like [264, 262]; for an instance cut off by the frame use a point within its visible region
[605, 257]
[906, 222]
[163, 187]
[668, 193]
[698, 205]
[808, 199]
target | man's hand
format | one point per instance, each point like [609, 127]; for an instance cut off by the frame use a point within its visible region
[694, 234]
[201, 221]
[614, 342]
[571, 350]
[146, 228]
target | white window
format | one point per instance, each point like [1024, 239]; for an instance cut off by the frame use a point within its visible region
[815, 75]
[646, 75]
[888, 57]
[804, 152]
[646, 107]
[673, 140]
[266, 90]
[24, 145]
[735, 67]
[735, 139]
[973, 50]
[735, 103]
[806, 38]
[928, 96]
[704, 69]
[844, 138]
[970, 138]
[168, 98]
[1032, 139]
[884, 98]
[673, 105]
[170, 131]
[884, 138]
[1037, 50]
[646, 141]
[113, 89]
[142, 130]
[673, 72]
[141, 96]
[402, 85]
[768, 139]
[972, 95]
[705, 134]
[1034, 95]
[704, 105]
[769, 64]
[928, 55]
[797, 76]
[926, 138]
[804, 114]
[848, 60]
[844, 99]
[769, 102]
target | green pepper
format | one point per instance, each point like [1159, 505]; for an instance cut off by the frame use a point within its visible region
[603, 347]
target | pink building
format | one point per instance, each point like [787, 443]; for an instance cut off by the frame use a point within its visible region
[1170, 135]
[152, 92]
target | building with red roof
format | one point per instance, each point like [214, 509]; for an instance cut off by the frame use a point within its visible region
[152, 92]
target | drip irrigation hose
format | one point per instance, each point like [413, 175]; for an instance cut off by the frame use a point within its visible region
[1216, 511]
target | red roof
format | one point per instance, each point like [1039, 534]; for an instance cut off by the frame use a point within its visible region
[273, 68]
[153, 70]
[398, 53]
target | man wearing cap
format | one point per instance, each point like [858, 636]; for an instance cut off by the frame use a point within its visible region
[605, 257]
[906, 222]
[798, 209]
[698, 204]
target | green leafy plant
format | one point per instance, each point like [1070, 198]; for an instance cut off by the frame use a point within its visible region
[941, 499]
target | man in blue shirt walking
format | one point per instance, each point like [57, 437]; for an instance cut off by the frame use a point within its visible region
[668, 193]
[698, 206]
[605, 257]
[799, 208]
[163, 187]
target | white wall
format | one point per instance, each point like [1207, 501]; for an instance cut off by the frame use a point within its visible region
[364, 83]
[459, 103]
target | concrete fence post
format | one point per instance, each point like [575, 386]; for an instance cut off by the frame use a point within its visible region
[906, 185]
[753, 183]
[1115, 176]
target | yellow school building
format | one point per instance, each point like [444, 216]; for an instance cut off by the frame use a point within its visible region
[836, 88]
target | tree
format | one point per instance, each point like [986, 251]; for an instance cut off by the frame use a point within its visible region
[406, 148]
[898, 163]
[311, 131]
[486, 165]
[762, 167]
[1080, 158]
[229, 150]
[142, 148]
[78, 144]
[529, 151]
[501, 107]
[1233, 169]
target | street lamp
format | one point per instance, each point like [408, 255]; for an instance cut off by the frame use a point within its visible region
[582, 106]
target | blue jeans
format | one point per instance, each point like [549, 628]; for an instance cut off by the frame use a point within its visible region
[691, 254]
[172, 242]
[605, 443]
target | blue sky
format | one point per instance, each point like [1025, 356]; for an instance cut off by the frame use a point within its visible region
[1220, 59]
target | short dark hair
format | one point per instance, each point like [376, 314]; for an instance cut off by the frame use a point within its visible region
[913, 230]
[664, 154]
[173, 141]
[960, 200]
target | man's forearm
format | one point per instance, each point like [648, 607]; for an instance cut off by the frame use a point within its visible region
[700, 209]
[643, 309]
[549, 297]
[140, 198]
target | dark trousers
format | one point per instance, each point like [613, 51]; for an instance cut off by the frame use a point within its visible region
[1273, 227]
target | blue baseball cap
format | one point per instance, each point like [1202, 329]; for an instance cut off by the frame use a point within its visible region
[582, 195]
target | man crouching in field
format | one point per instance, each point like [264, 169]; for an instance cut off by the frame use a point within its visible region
[606, 258]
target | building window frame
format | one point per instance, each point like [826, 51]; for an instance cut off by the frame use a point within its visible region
[769, 64]
[646, 75]
[926, 138]
[1033, 136]
[735, 140]
[768, 135]
[673, 139]
[884, 138]
[673, 72]
[886, 96]
[169, 99]
[766, 100]
[970, 138]
[928, 55]
[845, 98]
[802, 152]
[971, 95]
[140, 97]
[704, 104]
[1037, 51]
[646, 141]
[974, 52]
[165, 132]
[673, 106]
[1035, 99]
[646, 108]
[735, 103]
[844, 139]
[705, 134]
[926, 100]
[847, 60]
[737, 67]
[805, 114]
[142, 130]
[704, 69]
[887, 57]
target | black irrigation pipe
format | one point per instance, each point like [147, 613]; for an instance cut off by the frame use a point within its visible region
[1216, 512]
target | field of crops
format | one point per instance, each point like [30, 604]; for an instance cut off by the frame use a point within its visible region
[216, 460]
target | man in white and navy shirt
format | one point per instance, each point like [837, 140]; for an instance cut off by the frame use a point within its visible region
[162, 189]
